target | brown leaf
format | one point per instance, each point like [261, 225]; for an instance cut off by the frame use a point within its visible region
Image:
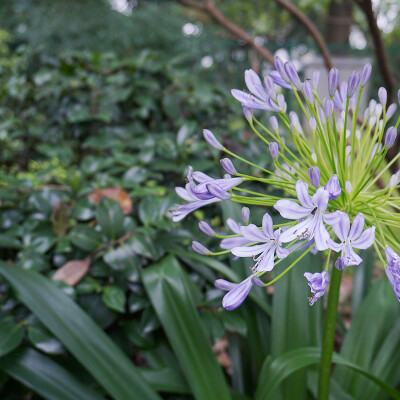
[113, 193]
[72, 272]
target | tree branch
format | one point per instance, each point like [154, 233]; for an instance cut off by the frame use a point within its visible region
[208, 6]
[311, 28]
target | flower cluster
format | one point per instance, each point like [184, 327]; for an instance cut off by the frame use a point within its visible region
[331, 175]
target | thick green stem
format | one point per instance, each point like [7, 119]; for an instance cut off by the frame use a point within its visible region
[329, 335]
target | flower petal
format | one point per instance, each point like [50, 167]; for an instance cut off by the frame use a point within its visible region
[366, 239]
[230, 243]
[249, 251]
[394, 280]
[342, 228]
[253, 83]
[252, 232]
[249, 100]
[321, 236]
[321, 198]
[268, 226]
[282, 252]
[357, 227]
[233, 226]
[267, 263]
[297, 231]
[223, 284]
[183, 194]
[303, 196]
[332, 218]
[336, 247]
[236, 296]
[350, 257]
[291, 210]
[201, 177]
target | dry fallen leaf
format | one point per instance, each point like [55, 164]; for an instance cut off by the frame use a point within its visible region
[72, 272]
[113, 193]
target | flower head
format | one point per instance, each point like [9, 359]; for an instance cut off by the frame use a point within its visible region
[318, 283]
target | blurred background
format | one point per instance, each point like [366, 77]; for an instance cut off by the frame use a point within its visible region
[102, 106]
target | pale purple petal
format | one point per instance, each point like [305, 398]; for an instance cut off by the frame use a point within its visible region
[254, 84]
[249, 251]
[349, 257]
[332, 218]
[230, 243]
[321, 237]
[216, 191]
[392, 258]
[224, 284]
[302, 195]
[291, 210]
[342, 228]
[394, 279]
[297, 231]
[253, 233]
[249, 100]
[236, 296]
[201, 177]
[257, 281]
[336, 247]
[182, 193]
[320, 199]
[357, 227]
[365, 240]
[268, 226]
[267, 262]
[233, 225]
[281, 252]
[182, 210]
[278, 80]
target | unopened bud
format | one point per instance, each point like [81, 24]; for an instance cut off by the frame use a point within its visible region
[352, 83]
[333, 187]
[274, 150]
[280, 67]
[247, 114]
[313, 124]
[245, 215]
[227, 165]
[333, 80]
[382, 94]
[390, 137]
[390, 111]
[206, 228]
[366, 74]
[293, 75]
[308, 92]
[212, 140]
[315, 79]
[348, 186]
[199, 248]
[274, 124]
[315, 176]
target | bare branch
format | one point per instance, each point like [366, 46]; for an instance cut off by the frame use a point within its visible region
[208, 6]
[312, 29]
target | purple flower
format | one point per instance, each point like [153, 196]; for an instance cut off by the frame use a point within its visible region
[352, 84]
[245, 214]
[318, 283]
[366, 74]
[208, 191]
[390, 137]
[390, 111]
[280, 77]
[340, 97]
[314, 175]
[313, 210]
[293, 75]
[230, 243]
[258, 97]
[328, 107]
[333, 80]
[274, 150]
[206, 228]
[392, 270]
[227, 165]
[315, 79]
[212, 140]
[247, 113]
[382, 94]
[270, 244]
[274, 124]
[237, 292]
[349, 238]
[333, 187]
[199, 248]
[308, 92]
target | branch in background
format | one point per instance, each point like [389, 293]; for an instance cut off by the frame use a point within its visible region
[312, 29]
[208, 7]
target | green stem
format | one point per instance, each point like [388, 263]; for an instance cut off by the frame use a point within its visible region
[329, 335]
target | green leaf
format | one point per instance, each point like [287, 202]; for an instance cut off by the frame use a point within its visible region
[168, 291]
[45, 376]
[85, 238]
[166, 380]
[43, 341]
[274, 372]
[11, 334]
[111, 218]
[114, 298]
[79, 334]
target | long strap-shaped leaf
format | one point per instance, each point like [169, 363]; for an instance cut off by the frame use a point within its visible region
[168, 290]
[275, 372]
[44, 376]
[80, 335]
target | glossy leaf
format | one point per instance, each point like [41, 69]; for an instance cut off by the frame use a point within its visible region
[172, 301]
[45, 376]
[11, 334]
[85, 238]
[79, 334]
[111, 218]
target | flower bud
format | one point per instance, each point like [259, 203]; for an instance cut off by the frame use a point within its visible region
[314, 175]
[314, 157]
[333, 80]
[348, 186]
[372, 105]
[398, 96]
[280, 67]
[199, 248]
[328, 107]
[372, 121]
[365, 74]
[216, 191]
[322, 116]
[293, 75]
[274, 150]
[308, 93]
[269, 85]
[281, 102]
[206, 228]
[274, 124]
[352, 83]
[247, 113]
[333, 187]
[223, 284]
[212, 140]
[390, 111]
[227, 165]
[394, 180]
[378, 110]
[245, 215]
[315, 80]
[313, 124]
[390, 137]
[382, 94]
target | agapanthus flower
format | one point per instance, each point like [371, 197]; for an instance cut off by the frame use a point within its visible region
[392, 270]
[329, 181]
[318, 283]
[271, 244]
[237, 292]
[313, 210]
[350, 239]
